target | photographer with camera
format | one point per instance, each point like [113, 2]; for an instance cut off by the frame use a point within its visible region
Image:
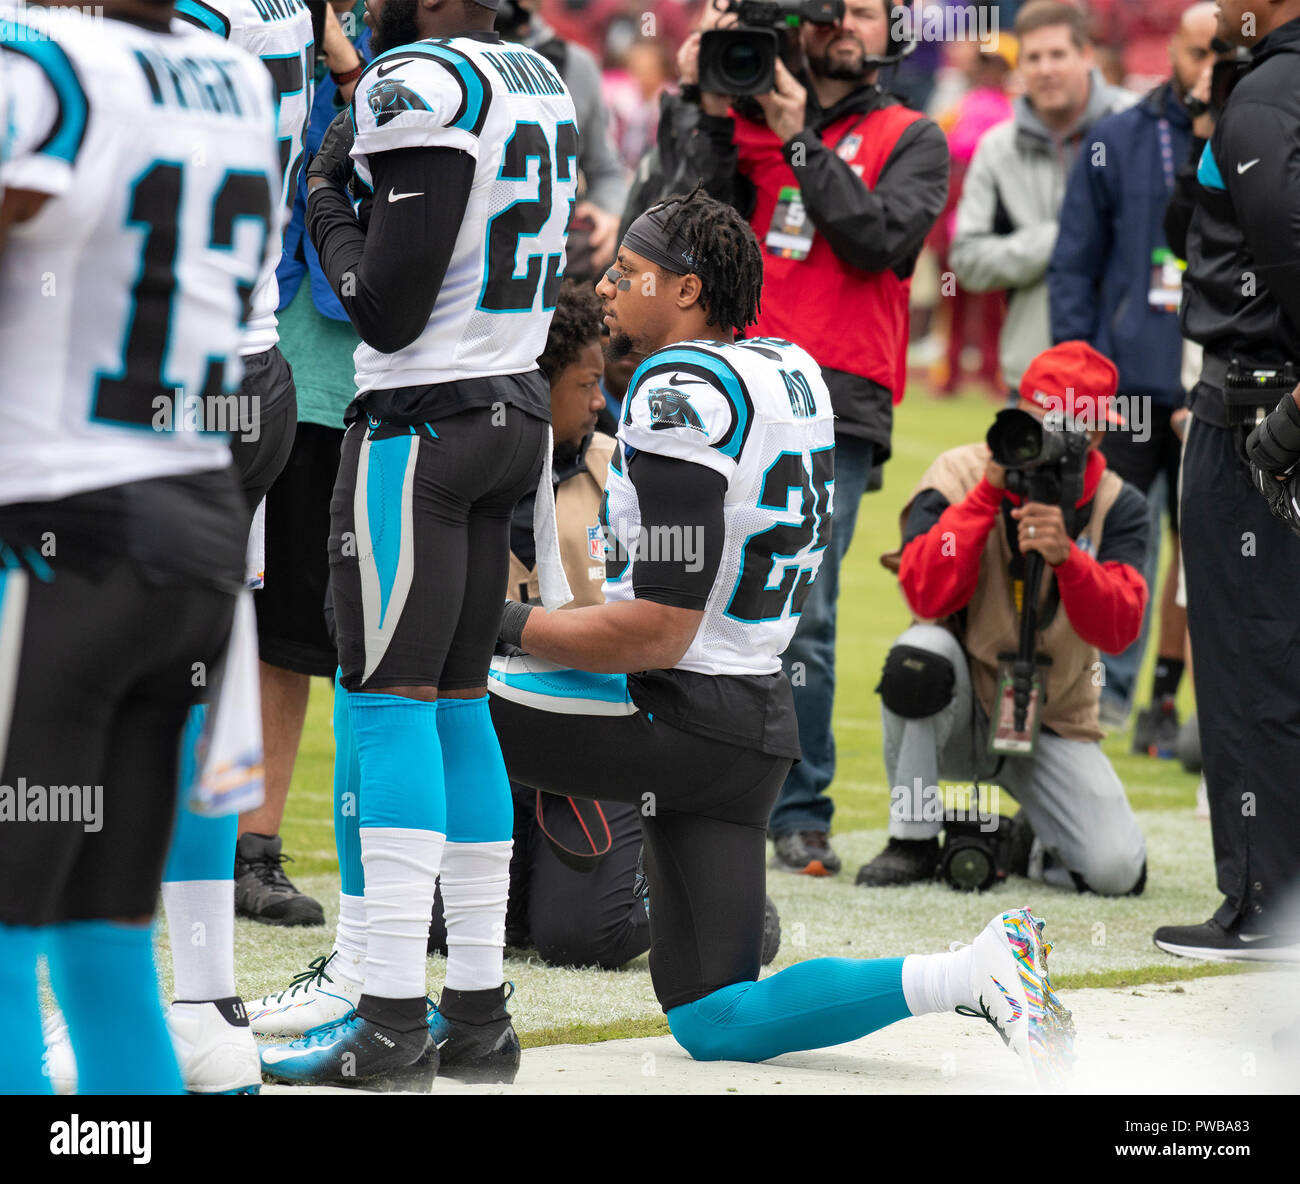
[959, 700]
[1242, 304]
[840, 183]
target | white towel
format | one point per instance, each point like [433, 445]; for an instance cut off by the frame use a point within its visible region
[230, 749]
[546, 539]
[255, 553]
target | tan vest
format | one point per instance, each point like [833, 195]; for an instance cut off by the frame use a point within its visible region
[577, 511]
[992, 620]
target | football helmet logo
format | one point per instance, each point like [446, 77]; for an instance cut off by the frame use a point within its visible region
[670, 408]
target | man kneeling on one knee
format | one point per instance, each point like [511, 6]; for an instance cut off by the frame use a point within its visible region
[962, 569]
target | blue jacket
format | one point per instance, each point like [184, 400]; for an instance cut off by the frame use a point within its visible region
[1110, 223]
[299, 257]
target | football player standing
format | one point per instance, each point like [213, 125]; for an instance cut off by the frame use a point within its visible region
[139, 187]
[216, 1049]
[466, 153]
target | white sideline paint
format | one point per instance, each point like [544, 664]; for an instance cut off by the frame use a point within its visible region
[1210, 1035]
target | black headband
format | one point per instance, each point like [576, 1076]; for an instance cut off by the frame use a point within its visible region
[648, 238]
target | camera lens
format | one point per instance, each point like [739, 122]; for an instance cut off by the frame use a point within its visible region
[742, 64]
[969, 867]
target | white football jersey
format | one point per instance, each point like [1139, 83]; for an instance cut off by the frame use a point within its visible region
[279, 34]
[507, 107]
[758, 413]
[124, 300]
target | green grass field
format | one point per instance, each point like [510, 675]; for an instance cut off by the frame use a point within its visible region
[1098, 942]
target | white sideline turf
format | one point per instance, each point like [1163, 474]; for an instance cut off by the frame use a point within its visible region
[1212, 1035]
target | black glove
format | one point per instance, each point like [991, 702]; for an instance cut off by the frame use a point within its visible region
[332, 162]
[1280, 495]
[513, 618]
[1274, 445]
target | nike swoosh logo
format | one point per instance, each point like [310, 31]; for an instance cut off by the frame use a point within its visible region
[683, 380]
[1250, 164]
[1254, 937]
[273, 1056]
[393, 195]
[388, 67]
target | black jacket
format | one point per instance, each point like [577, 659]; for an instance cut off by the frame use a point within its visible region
[1242, 287]
[872, 229]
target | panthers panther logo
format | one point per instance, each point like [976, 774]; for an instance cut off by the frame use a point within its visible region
[390, 98]
[670, 408]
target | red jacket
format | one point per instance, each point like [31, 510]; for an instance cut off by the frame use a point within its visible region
[848, 319]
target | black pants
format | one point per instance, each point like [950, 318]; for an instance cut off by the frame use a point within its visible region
[703, 807]
[420, 545]
[572, 918]
[1243, 613]
[100, 648]
[268, 384]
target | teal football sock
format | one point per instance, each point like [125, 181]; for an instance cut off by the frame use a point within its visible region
[347, 797]
[20, 1065]
[105, 980]
[812, 1004]
[479, 806]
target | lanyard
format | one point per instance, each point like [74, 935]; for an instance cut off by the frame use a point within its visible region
[1167, 153]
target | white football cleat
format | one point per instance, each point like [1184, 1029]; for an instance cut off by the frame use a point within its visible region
[314, 998]
[1010, 989]
[215, 1047]
[58, 1064]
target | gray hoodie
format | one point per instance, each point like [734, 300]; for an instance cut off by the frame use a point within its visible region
[1006, 218]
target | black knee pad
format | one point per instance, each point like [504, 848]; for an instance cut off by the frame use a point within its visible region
[916, 683]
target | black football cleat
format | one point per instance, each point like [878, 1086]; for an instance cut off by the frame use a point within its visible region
[482, 1050]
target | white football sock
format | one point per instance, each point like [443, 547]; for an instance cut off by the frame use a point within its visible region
[937, 982]
[350, 938]
[475, 885]
[201, 924]
[401, 867]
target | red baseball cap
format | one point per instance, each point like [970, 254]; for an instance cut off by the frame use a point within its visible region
[1073, 378]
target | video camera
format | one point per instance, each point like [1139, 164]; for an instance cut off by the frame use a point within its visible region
[741, 60]
[1043, 464]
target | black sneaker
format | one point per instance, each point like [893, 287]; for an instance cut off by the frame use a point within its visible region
[1213, 943]
[355, 1053]
[262, 890]
[903, 861]
[483, 1052]
[807, 852]
[1156, 731]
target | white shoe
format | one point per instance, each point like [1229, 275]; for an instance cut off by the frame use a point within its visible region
[319, 995]
[58, 1063]
[1010, 989]
[215, 1047]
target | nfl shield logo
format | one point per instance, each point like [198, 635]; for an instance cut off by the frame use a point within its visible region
[1084, 544]
[596, 542]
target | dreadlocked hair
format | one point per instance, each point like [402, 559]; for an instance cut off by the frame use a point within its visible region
[576, 323]
[730, 265]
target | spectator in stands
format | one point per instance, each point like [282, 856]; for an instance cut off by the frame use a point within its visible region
[1115, 283]
[1007, 218]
